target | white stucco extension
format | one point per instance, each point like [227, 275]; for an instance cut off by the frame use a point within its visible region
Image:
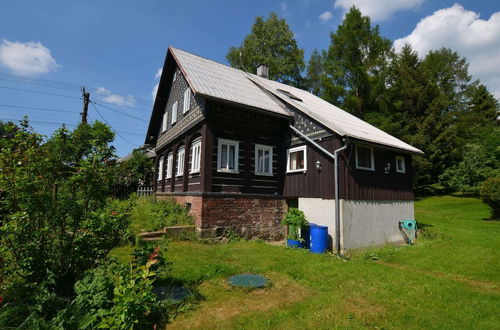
[362, 223]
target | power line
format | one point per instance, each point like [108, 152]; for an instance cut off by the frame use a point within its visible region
[122, 113]
[39, 122]
[105, 121]
[34, 108]
[38, 92]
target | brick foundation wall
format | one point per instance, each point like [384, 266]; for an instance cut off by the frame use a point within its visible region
[250, 217]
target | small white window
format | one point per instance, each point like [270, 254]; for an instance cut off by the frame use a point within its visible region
[170, 159]
[174, 112]
[160, 169]
[364, 158]
[400, 164]
[263, 160]
[187, 100]
[296, 159]
[195, 156]
[175, 75]
[180, 161]
[227, 156]
[164, 122]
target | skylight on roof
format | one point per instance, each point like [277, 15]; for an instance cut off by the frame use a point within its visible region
[290, 95]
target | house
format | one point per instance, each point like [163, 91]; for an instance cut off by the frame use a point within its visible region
[239, 149]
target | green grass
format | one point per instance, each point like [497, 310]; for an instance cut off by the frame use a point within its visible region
[449, 280]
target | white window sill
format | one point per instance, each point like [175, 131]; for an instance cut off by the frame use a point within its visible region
[297, 171]
[400, 172]
[194, 172]
[221, 170]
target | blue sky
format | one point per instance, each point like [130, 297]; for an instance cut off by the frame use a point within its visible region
[115, 48]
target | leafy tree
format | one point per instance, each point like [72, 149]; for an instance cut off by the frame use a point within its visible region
[468, 175]
[271, 42]
[315, 72]
[490, 194]
[355, 64]
[129, 174]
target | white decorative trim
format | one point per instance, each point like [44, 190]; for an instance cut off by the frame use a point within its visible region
[300, 148]
[234, 143]
[403, 170]
[264, 148]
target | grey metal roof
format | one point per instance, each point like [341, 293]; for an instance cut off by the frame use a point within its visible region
[217, 80]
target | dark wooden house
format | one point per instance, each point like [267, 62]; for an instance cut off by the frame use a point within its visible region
[238, 149]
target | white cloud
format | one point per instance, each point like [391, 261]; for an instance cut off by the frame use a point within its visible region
[326, 16]
[464, 32]
[27, 59]
[117, 99]
[155, 89]
[284, 6]
[379, 10]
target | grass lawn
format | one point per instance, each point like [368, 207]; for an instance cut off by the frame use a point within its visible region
[450, 279]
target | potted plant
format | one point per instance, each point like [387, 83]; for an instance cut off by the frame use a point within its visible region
[294, 219]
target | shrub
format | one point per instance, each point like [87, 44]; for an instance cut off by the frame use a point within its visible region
[294, 219]
[490, 194]
[150, 214]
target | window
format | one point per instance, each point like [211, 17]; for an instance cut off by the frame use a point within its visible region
[263, 160]
[174, 112]
[195, 156]
[160, 169]
[400, 164]
[187, 100]
[169, 168]
[227, 156]
[164, 122]
[296, 159]
[364, 158]
[180, 161]
[175, 75]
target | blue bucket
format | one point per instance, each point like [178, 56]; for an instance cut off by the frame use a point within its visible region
[319, 239]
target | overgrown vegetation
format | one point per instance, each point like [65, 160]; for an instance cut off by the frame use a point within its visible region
[150, 214]
[294, 219]
[428, 100]
[490, 194]
[59, 222]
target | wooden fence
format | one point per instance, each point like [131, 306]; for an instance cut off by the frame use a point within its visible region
[144, 190]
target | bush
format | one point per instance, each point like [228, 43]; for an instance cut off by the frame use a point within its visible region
[294, 219]
[490, 194]
[150, 214]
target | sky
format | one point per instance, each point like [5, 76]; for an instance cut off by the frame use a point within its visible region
[115, 48]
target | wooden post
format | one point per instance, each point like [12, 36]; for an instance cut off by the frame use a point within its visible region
[86, 100]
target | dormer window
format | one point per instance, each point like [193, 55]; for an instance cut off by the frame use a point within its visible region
[186, 104]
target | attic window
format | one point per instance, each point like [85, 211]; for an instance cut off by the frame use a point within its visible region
[290, 95]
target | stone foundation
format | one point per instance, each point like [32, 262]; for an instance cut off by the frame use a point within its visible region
[248, 216]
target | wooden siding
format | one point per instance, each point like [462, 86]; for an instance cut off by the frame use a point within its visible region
[248, 128]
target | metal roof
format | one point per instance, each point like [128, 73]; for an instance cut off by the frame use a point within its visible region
[217, 80]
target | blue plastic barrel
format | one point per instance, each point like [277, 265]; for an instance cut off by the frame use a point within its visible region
[305, 234]
[319, 239]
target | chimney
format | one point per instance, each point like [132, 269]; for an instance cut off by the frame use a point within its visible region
[263, 71]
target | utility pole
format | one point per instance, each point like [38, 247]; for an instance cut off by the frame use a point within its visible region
[86, 100]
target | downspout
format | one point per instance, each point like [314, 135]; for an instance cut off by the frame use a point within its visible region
[335, 158]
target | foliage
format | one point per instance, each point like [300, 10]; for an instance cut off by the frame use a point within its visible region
[315, 70]
[468, 175]
[143, 252]
[272, 43]
[294, 219]
[150, 214]
[133, 172]
[355, 64]
[490, 194]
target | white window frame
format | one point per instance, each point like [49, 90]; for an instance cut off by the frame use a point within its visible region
[170, 159]
[291, 150]
[195, 156]
[263, 148]
[160, 169]
[164, 122]
[179, 168]
[174, 112]
[186, 105]
[372, 168]
[175, 75]
[403, 170]
[236, 145]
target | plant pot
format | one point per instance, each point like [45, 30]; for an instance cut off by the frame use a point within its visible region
[294, 243]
